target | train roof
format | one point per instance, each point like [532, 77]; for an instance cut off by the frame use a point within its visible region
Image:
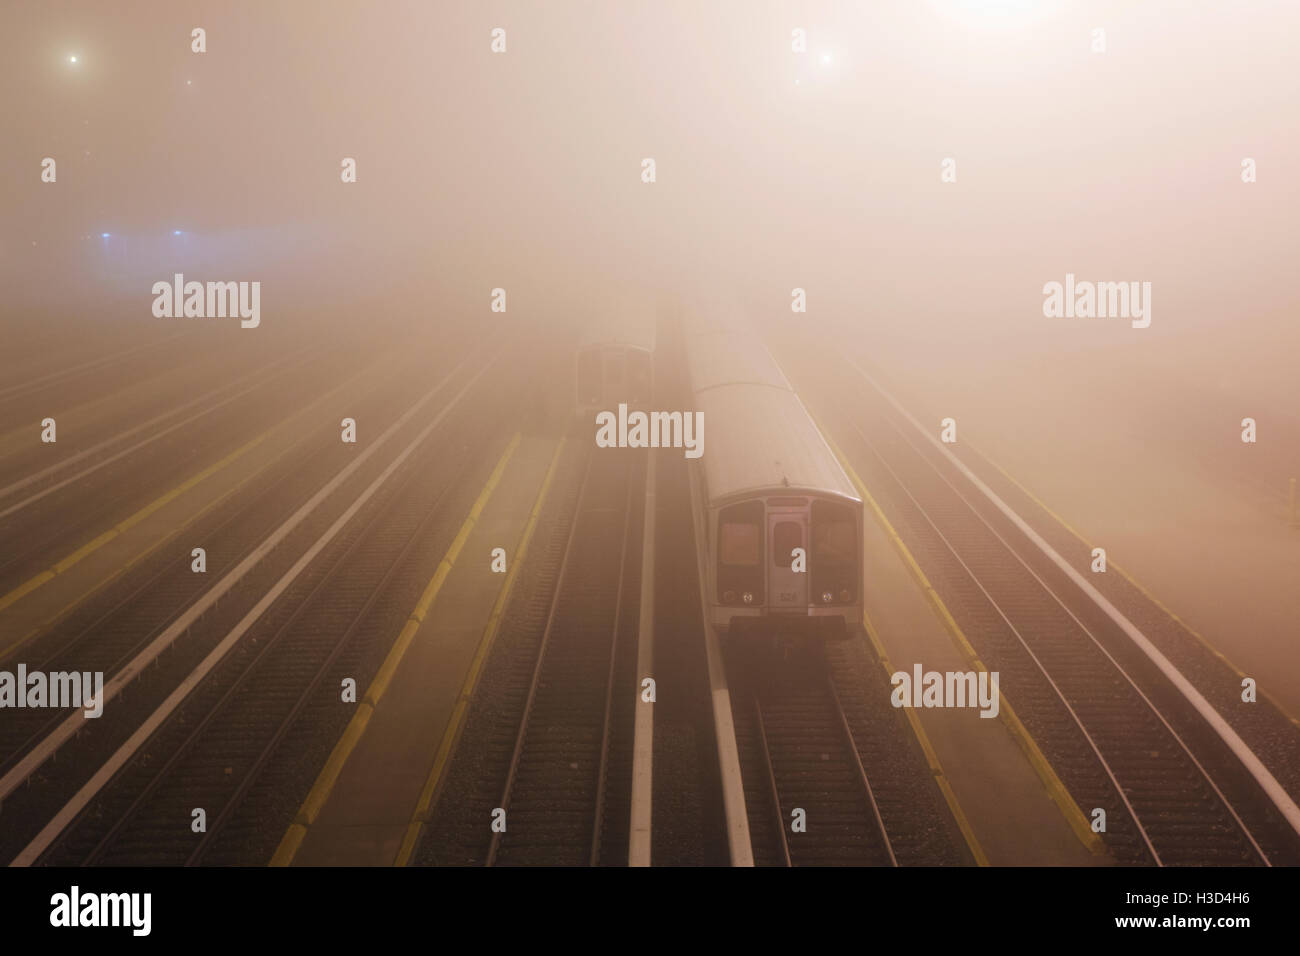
[631, 325]
[760, 436]
[761, 439]
[724, 355]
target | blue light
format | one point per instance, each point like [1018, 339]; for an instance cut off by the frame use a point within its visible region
[104, 235]
[176, 232]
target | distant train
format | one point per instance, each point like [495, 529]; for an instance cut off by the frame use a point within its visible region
[782, 545]
[615, 362]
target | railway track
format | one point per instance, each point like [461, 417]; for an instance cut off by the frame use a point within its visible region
[1120, 736]
[111, 628]
[688, 824]
[582, 529]
[77, 468]
[797, 747]
[565, 774]
[242, 717]
[108, 631]
[51, 511]
[106, 640]
[253, 695]
[82, 378]
[830, 775]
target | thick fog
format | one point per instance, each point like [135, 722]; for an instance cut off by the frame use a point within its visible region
[922, 169]
[774, 169]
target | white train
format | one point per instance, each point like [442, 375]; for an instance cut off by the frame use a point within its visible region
[771, 492]
[615, 362]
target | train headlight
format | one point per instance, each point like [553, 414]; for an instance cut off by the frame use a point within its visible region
[827, 597]
[748, 597]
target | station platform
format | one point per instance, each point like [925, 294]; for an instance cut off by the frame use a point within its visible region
[1008, 806]
[361, 823]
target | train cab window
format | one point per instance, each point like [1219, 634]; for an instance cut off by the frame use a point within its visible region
[786, 536]
[738, 544]
[589, 390]
[833, 558]
[740, 573]
[835, 540]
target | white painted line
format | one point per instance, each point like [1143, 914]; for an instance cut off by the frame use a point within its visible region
[115, 685]
[24, 482]
[724, 728]
[638, 849]
[93, 363]
[1281, 799]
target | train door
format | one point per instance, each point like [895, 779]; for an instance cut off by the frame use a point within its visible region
[788, 588]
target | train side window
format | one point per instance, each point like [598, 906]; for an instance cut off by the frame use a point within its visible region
[786, 536]
[589, 389]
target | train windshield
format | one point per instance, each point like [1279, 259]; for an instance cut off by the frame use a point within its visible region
[833, 561]
[739, 544]
[740, 553]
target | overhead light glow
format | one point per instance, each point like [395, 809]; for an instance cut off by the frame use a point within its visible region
[72, 59]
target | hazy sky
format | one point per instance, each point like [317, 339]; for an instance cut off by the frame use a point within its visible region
[774, 169]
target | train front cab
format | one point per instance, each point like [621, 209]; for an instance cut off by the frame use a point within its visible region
[757, 592]
[609, 374]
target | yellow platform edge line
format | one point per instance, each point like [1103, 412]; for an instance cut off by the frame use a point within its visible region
[328, 777]
[1111, 565]
[454, 726]
[130, 563]
[91, 547]
[931, 758]
[1074, 816]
